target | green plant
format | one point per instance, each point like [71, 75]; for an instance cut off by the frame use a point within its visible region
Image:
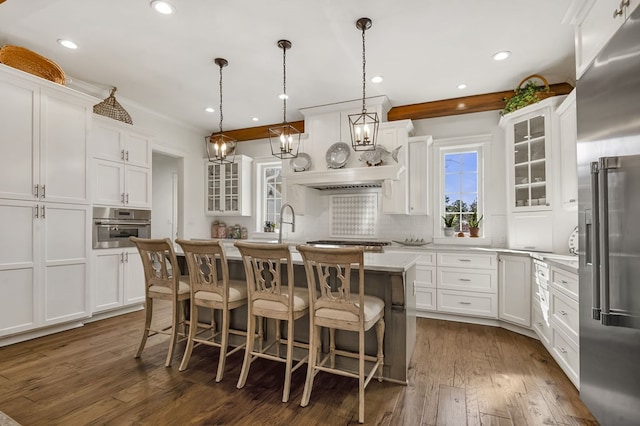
[474, 222]
[269, 225]
[527, 95]
[449, 220]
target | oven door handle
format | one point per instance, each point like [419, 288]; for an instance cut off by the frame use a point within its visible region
[120, 223]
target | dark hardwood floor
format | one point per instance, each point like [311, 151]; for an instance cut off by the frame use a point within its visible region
[460, 374]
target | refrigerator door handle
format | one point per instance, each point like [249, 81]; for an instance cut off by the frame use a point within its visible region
[592, 243]
[606, 163]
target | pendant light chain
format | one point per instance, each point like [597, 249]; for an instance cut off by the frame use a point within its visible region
[284, 84]
[364, 73]
[221, 116]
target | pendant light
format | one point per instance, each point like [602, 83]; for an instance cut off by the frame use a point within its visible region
[220, 148]
[363, 126]
[284, 139]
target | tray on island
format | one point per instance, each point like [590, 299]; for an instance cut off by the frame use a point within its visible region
[411, 242]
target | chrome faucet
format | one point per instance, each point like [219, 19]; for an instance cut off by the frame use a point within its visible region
[292, 223]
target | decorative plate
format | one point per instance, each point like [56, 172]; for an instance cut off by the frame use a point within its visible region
[338, 155]
[301, 163]
[411, 242]
[573, 241]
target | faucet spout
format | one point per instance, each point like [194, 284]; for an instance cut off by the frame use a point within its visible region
[293, 219]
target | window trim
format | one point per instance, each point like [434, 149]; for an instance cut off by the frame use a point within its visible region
[260, 165]
[481, 144]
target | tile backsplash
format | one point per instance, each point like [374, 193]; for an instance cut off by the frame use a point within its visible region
[353, 215]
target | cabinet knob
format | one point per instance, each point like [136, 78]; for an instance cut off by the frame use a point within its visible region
[563, 350]
[563, 313]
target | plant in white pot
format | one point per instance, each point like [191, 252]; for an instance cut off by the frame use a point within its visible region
[449, 221]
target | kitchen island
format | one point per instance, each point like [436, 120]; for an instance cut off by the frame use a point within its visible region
[389, 276]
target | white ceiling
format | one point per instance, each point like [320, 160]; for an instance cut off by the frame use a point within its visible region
[423, 48]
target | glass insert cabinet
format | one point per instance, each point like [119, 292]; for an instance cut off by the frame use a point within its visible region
[227, 187]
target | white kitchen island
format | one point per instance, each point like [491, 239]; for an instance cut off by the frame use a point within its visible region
[389, 276]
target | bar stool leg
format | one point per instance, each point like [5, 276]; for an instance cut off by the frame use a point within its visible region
[223, 344]
[174, 331]
[287, 372]
[147, 325]
[314, 340]
[361, 377]
[247, 352]
[192, 334]
[380, 325]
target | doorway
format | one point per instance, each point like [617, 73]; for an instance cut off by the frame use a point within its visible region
[167, 194]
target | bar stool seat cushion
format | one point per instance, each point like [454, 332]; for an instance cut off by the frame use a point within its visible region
[237, 291]
[300, 300]
[183, 287]
[372, 307]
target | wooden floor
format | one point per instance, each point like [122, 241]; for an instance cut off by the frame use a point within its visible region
[460, 374]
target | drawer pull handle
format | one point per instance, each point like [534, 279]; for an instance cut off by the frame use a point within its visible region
[464, 303]
[564, 282]
[563, 313]
[563, 350]
[464, 260]
[539, 324]
[464, 279]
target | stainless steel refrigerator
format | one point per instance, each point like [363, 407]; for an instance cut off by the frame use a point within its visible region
[608, 111]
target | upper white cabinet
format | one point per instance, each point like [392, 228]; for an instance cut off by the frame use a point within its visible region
[228, 187]
[568, 142]
[44, 139]
[596, 22]
[514, 287]
[533, 164]
[418, 174]
[122, 161]
[395, 192]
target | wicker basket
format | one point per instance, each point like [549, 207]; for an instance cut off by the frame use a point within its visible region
[28, 61]
[111, 108]
[523, 96]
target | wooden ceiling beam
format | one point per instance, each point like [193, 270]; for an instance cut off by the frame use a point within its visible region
[464, 105]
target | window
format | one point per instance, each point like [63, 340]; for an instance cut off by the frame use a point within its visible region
[269, 196]
[461, 175]
[460, 187]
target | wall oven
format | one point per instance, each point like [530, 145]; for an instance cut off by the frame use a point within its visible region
[112, 226]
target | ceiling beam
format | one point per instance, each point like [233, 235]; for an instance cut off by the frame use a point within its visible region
[456, 106]
[464, 105]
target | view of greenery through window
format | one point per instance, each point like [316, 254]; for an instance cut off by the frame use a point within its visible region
[272, 179]
[461, 187]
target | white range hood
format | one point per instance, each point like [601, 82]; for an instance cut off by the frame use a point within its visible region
[347, 178]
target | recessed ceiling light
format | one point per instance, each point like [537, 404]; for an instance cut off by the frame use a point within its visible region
[377, 79]
[499, 56]
[67, 43]
[255, 119]
[209, 109]
[163, 7]
[462, 86]
[283, 96]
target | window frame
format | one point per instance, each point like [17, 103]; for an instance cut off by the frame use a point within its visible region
[482, 145]
[260, 166]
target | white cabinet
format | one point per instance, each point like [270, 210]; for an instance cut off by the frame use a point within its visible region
[395, 192]
[418, 174]
[44, 267]
[425, 282]
[568, 158]
[122, 162]
[467, 284]
[44, 129]
[118, 278]
[596, 23]
[514, 289]
[228, 187]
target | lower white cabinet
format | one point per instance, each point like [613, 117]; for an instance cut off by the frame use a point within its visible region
[425, 282]
[468, 303]
[118, 278]
[514, 287]
[44, 268]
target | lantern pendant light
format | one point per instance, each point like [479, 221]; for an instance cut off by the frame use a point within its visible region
[284, 139]
[364, 126]
[220, 147]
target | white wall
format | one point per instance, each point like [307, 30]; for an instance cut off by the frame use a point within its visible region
[164, 169]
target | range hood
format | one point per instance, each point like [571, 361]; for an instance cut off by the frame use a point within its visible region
[347, 178]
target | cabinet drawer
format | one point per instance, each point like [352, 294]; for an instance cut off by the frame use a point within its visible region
[425, 298]
[542, 296]
[567, 355]
[426, 276]
[542, 325]
[565, 281]
[564, 312]
[427, 259]
[468, 303]
[467, 279]
[468, 260]
[541, 270]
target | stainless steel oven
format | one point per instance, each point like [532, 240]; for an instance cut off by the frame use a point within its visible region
[112, 227]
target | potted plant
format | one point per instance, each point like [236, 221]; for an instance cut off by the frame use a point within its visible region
[528, 94]
[474, 225]
[449, 221]
[269, 226]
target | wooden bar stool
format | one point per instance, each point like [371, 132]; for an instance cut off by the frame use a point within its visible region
[162, 281]
[211, 288]
[269, 297]
[337, 308]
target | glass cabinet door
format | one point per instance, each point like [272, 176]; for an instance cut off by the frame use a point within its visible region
[529, 162]
[231, 187]
[214, 188]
